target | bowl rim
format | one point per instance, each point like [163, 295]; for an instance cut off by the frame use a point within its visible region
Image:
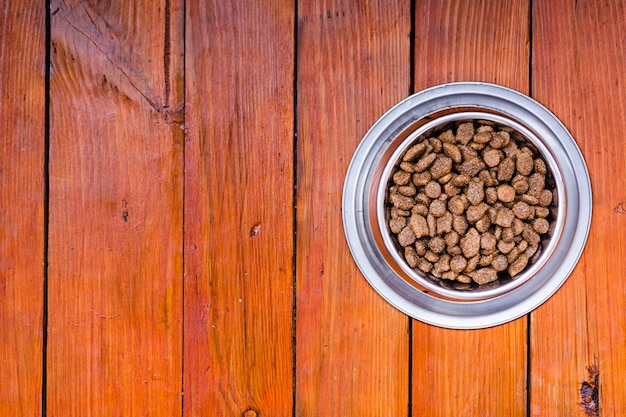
[445, 309]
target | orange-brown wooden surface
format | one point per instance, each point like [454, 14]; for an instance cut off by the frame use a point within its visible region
[22, 150]
[239, 209]
[171, 242]
[480, 372]
[579, 70]
[115, 330]
[352, 347]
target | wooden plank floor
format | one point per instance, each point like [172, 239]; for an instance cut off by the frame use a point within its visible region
[171, 242]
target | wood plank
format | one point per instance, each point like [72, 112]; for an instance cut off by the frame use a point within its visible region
[22, 115]
[239, 208]
[351, 345]
[116, 187]
[477, 372]
[579, 68]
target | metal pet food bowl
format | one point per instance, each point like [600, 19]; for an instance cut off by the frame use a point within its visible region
[436, 301]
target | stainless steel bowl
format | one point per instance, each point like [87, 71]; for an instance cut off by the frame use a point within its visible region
[364, 206]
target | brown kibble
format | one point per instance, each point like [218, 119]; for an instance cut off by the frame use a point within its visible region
[530, 235]
[432, 225]
[464, 279]
[499, 263]
[421, 178]
[492, 157]
[424, 265]
[472, 167]
[500, 139]
[437, 208]
[524, 162]
[424, 162]
[474, 213]
[435, 143]
[465, 133]
[422, 198]
[540, 166]
[507, 234]
[520, 184]
[449, 275]
[414, 152]
[484, 276]
[475, 192]
[396, 225]
[523, 211]
[453, 152]
[454, 250]
[504, 217]
[518, 265]
[444, 223]
[396, 212]
[506, 193]
[459, 224]
[470, 243]
[431, 256]
[406, 237]
[488, 177]
[451, 190]
[536, 184]
[517, 226]
[491, 195]
[407, 166]
[458, 263]
[402, 202]
[440, 167]
[437, 244]
[505, 247]
[445, 179]
[418, 225]
[542, 211]
[407, 190]
[482, 137]
[432, 189]
[447, 137]
[472, 263]
[420, 247]
[420, 209]
[529, 199]
[442, 265]
[411, 256]
[486, 259]
[452, 239]
[401, 177]
[506, 169]
[545, 198]
[488, 241]
[460, 180]
[483, 224]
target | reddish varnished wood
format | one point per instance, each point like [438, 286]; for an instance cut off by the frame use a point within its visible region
[476, 372]
[115, 232]
[239, 208]
[22, 150]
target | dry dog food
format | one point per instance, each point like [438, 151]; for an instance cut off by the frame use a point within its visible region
[471, 204]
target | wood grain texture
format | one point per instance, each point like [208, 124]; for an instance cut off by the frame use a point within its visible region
[477, 372]
[22, 121]
[116, 188]
[239, 208]
[579, 69]
[352, 346]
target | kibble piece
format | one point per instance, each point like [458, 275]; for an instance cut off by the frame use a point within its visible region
[418, 225]
[504, 217]
[506, 193]
[411, 256]
[525, 162]
[407, 166]
[506, 169]
[529, 199]
[518, 265]
[437, 208]
[421, 178]
[449, 275]
[517, 226]
[401, 177]
[488, 242]
[542, 211]
[432, 189]
[474, 213]
[402, 202]
[406, 237]
[452, 239]
[431, 221]
[444, 223]
[523, 211]
[489, 177]
[456, 205]
[499, 263]
[453, 152]
[470, 243]
[492, 157]
[482, 136]
[540, 166]
[463, 278]
[424, 162]
[458, 263]
[460, 180]
[414, 151]
[396, 225]
[431, 256]
[424, 265]
[437, 244]
[491, 195]
[440, 167]
[447, 137]
[475, 192]
[445, 179]
[422, 198]
[450, 189]
[472, 167]
[545, 198]
[500, 139]
[465, 133]
[505, 247]
[507, 234]
[420, 247]
[484, 276]
[486, 259]
[530, 235]
[407, 190]
[442, 265]
[459, 224]
[472, 263]
[483, 224]
[536, 184]
[454, 250]
[520, 184]
[420, 209]
[396, 212]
